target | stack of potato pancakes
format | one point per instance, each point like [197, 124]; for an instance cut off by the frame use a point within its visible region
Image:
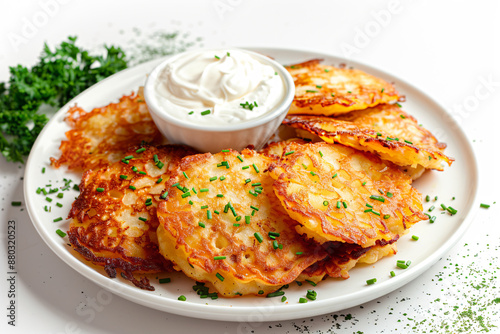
[247, 223]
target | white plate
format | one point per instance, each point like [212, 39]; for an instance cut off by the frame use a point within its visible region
[460, 181]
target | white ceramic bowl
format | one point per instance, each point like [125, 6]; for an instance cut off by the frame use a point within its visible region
[204, 138]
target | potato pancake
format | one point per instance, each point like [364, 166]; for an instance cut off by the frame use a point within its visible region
[343, 257]
[114, 219]
[385, 130]
[104, 134]
[275, 150]
[328, 90]
[337, 193]
[222, 224]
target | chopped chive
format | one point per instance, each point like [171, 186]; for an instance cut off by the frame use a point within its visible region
[209, 214]
[275, 294]
[59, 205]
[318, 86]
[378, 198]
[219, 257]
[225, 151]
[289, 152]
[258, 236]
[222, 178]
[213, 178]
[182, 298]
[368, 210]
[256, 184]
[338, 204]
[414, 237]
[100, 190]
[381, 191]
[332, 94]
[204, 190]
[369, 205]
[401, 265]
[261, 292]
[485, 206]
[236, 225]
[164, 280]
[275, 244]
[142, 173]
[302, 300]
[206, 112]
[143, 219]
[389, 194]
[349, 91]
[320, 154]
[76, 187]
[452, 210]
[305, 167]
[387, 216]
[200, 224]
[379, 134]
[238, 218]
[160, 164]
[253, 207]
[142, 149]
[43, 170]
[191, 112]
[48, 199]
[255, 167]
[190, 202]
[311, 282]
[398, 104]
[431, 208]
[123, 177]
[364, 183]
[60, 233]
[220, 195]
[217, 57]
[325, 203]
[344, 204]
[240, 158]
[219, 276]
[382, 90]
[432, 219]
[334, 175]
[132, 187]
[16, 203]
[245, 167]
[393, 274]
[275, 234]
[175, 184]
[311, 91]
[216, 212]
[204, 207]
[251, 192]
[125, 161]
[375, 212]
[39, 190]
[134, 169]
[185, 175]
[427, 198]
[155, 158]
[299, 253]
[128, 157]
[57, 219]
[408, 142]
[444, 207]
[186, 194]
[247, 219]
[313, 173]
[247, 181]
[408, 263]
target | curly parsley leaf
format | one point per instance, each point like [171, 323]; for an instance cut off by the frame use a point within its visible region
[59, 76]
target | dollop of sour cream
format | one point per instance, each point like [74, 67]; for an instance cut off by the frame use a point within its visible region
[217, 88]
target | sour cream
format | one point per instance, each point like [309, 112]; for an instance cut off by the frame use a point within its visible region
[218, 88]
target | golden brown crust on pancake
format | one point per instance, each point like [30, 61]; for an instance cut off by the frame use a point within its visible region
[328, 90]
[102, 135]
[250, 265]
[385, 130]
[324, 192]
[105, 227]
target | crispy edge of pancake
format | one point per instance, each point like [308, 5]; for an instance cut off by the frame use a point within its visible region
[314, 96]
[343, 257]
[93, 216]
[426, 152]
[267, 268]
[101, 135]
[293, 184]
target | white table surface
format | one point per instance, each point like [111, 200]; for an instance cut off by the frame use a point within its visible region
[448, 49]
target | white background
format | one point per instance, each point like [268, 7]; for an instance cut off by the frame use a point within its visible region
[447, 48]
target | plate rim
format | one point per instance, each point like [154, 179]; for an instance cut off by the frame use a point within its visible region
[241, 313]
